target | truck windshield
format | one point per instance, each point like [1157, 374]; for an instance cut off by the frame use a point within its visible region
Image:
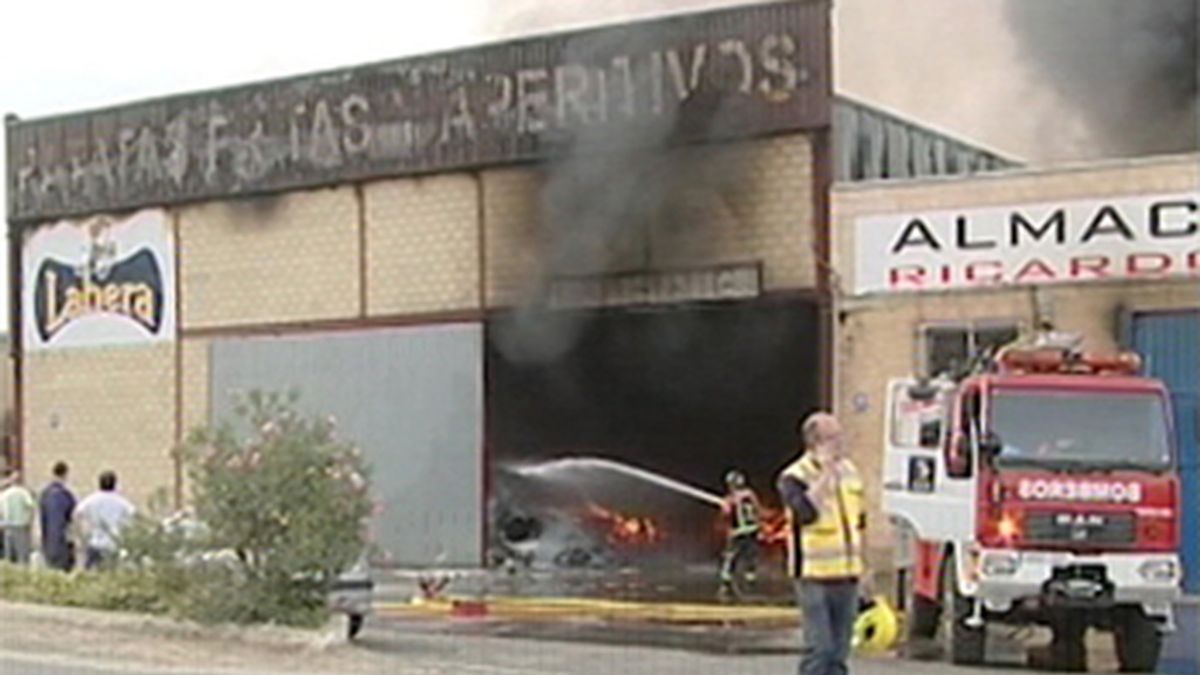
[1081, 430]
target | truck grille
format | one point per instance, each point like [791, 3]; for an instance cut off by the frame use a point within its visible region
[1091, 529]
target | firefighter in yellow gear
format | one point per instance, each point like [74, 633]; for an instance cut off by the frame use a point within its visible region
[823, 493]
[743, 514]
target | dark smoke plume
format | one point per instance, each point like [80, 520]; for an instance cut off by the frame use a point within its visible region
[619, 193]
[1129, 68]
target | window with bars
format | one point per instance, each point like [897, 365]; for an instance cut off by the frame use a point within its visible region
[950, 347]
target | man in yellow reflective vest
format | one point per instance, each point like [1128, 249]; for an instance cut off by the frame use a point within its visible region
[823, 493]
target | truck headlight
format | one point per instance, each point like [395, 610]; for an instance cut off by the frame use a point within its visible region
[1000, 564]
[1161, 571]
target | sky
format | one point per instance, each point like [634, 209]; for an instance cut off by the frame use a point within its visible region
[955, 65]
[125, 50]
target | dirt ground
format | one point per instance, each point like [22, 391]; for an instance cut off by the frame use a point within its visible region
[120, 639]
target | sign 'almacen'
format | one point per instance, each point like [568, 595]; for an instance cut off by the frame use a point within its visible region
[1143, 237]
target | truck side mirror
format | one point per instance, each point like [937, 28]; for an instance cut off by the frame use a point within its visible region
[958, 461]
[990, 446]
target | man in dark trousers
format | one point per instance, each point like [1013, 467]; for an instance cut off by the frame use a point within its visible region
[57, 505]
[742, 513]
[823, 493]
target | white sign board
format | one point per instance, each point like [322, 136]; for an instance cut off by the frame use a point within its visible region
[1144, 237]
[101, 281]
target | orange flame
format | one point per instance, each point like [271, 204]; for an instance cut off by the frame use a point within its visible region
[774, 527]
[627, 530]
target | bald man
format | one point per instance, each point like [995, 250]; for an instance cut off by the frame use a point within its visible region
[823, 493]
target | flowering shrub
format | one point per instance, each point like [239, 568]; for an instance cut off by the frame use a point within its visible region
[286, 497]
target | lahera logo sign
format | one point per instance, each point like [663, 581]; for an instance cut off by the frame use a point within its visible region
[130, 288]
[100, 282]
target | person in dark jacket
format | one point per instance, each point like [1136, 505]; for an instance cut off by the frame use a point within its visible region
[742, 512]
[57, 505]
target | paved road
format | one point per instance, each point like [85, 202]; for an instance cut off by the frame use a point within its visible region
[486, 656]
[506, 656]
[386, 648]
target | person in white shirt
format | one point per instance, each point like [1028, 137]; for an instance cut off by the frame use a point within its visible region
[101, 516]
[17, 510]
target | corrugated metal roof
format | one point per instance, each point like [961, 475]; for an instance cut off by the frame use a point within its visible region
[1186, 160]
[870, 144]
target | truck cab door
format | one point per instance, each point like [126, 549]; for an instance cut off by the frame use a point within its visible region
[925, 429]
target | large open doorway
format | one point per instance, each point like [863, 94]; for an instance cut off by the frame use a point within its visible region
[628, 420]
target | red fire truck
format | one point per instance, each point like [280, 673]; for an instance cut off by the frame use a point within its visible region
[1041, 488]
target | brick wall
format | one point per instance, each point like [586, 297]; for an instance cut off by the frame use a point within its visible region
[102, 409]
[422, 241]
[752, 201]
[512, 258]
[292, 257]
[762, 210]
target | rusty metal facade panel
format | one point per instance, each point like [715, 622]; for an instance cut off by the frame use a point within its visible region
[726, 74]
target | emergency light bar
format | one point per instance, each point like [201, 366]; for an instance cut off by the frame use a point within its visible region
[1050, 360]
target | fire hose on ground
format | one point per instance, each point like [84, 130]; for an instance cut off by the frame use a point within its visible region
[876, 630]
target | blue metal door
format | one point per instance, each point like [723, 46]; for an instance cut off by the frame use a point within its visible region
[1170, 345]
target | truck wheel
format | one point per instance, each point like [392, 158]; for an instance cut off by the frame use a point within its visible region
[922, 618]
[1067, 650]
[922, 629]
[1137, 640]
[963, 644]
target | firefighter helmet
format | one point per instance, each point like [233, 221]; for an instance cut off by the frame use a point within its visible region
[877, 626]
[735, 479]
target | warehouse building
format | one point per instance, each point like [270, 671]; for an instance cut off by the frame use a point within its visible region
[612, 242]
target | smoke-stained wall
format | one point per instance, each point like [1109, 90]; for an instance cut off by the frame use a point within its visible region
[739, 202]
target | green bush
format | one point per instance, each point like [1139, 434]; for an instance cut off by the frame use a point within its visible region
[124, 590]
[223, 595]
[287, 499]
[290, 498]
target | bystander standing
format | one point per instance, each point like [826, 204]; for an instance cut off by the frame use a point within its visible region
[101, 517]
[823, 493]
[56, 506]
[17, 508]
